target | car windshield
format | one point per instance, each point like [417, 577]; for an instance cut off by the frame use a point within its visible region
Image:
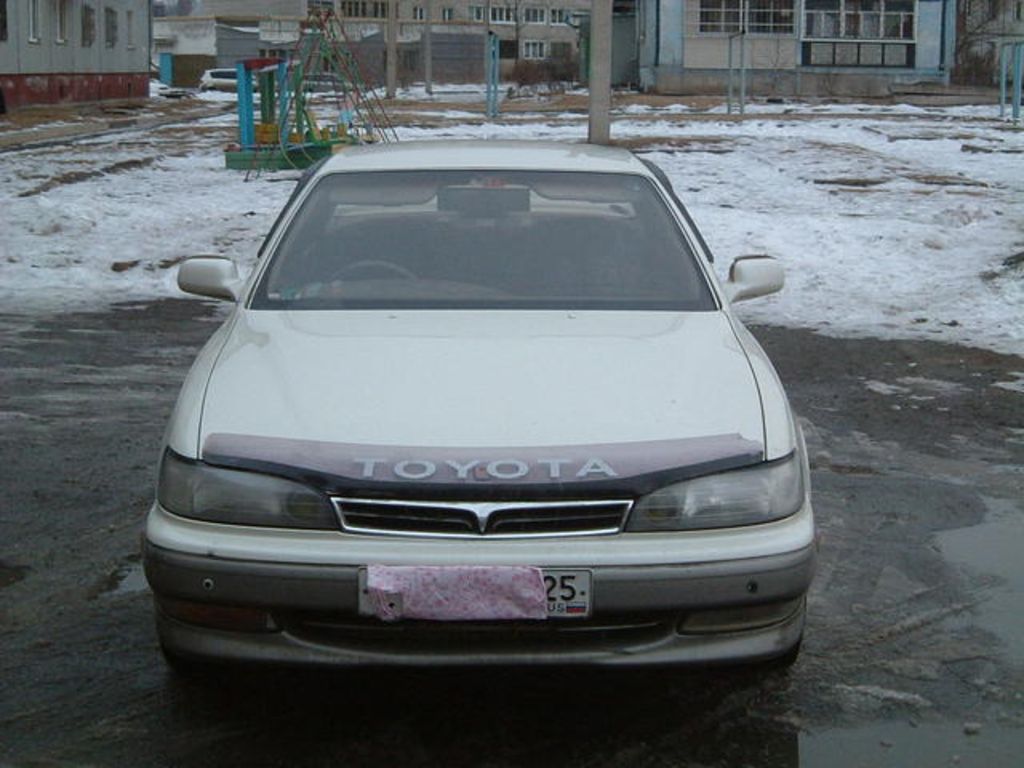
[483, 240]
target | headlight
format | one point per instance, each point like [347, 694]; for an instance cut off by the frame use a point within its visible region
[197, 490]
[760, 494]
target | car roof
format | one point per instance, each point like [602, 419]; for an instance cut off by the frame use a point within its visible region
[497, 155]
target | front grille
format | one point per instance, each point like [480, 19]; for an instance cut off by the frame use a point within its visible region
[426, 637]
[472, 520]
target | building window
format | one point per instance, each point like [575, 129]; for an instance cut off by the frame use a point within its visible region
[859, 20]
[534, 15]
[129, 31]
[63, 11]
[447, 14]
[533, 49]
[3, 20]
[503, 14]
[88, 26]
[560, 50]
[559, 16]
[770, 17]
[858, 53]
[763, 17]
[476, 13]
[418, 14]
[719, 15]
[361, 9]
[110, 27]
[33, 20]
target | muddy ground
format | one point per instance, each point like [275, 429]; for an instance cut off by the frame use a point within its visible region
[914, 653]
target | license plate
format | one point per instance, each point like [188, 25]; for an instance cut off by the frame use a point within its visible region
[569, 594]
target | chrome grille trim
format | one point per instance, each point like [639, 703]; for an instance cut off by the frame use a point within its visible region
[474, 520]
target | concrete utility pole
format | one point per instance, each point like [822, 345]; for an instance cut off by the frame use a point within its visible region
[599, 131]
[391, 73]
[428, 45]
[487, 34]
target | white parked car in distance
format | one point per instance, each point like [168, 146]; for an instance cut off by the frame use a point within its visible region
[482, 402]
[224, 79]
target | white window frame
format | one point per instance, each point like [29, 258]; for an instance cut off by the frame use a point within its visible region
[503, 14]
[477, 13]
[364, 9]
[447, 13]
[535, 14]
[535, 50]
[129, 29]
[33, 21]
[724, 17]
[558, 16]
[418, 13]
[843, 24]
[63, 20]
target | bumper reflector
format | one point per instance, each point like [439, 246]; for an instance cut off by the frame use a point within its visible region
[738, 619]
[233, 618]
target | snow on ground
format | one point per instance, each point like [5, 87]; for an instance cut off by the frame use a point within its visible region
[885, 228]
[902, 225]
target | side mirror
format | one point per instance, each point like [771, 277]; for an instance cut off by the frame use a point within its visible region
[753, 276]
[212, 276]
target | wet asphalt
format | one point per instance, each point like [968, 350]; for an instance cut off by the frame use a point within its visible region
[914, 652]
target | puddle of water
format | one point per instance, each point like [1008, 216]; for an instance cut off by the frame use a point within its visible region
[936, 386]
[132, 581]
[1017, 385]
[900, 744]
[10, 574]
[995, 548]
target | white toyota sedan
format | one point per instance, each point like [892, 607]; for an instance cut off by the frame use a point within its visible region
[482, 402]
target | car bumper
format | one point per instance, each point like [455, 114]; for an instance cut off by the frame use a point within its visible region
[732, 610]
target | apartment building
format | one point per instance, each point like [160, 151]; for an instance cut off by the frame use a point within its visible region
[532, 30]
[790, 47]
[72, 50]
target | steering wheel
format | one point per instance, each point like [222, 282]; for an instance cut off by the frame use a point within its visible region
[376, 265]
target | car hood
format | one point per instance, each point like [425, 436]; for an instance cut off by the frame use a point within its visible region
[453, 380]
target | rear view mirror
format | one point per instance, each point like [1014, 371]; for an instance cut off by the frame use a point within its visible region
[484, 202]
[212, 276]
[753, 276]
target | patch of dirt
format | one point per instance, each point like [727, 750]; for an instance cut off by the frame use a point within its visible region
[975, 149]
[922, 136]
[1010, 264]
[715, 145]
[851, 182]
[73, 177]
[944, 181]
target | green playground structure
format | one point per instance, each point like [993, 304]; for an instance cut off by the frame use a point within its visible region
[310, 106]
